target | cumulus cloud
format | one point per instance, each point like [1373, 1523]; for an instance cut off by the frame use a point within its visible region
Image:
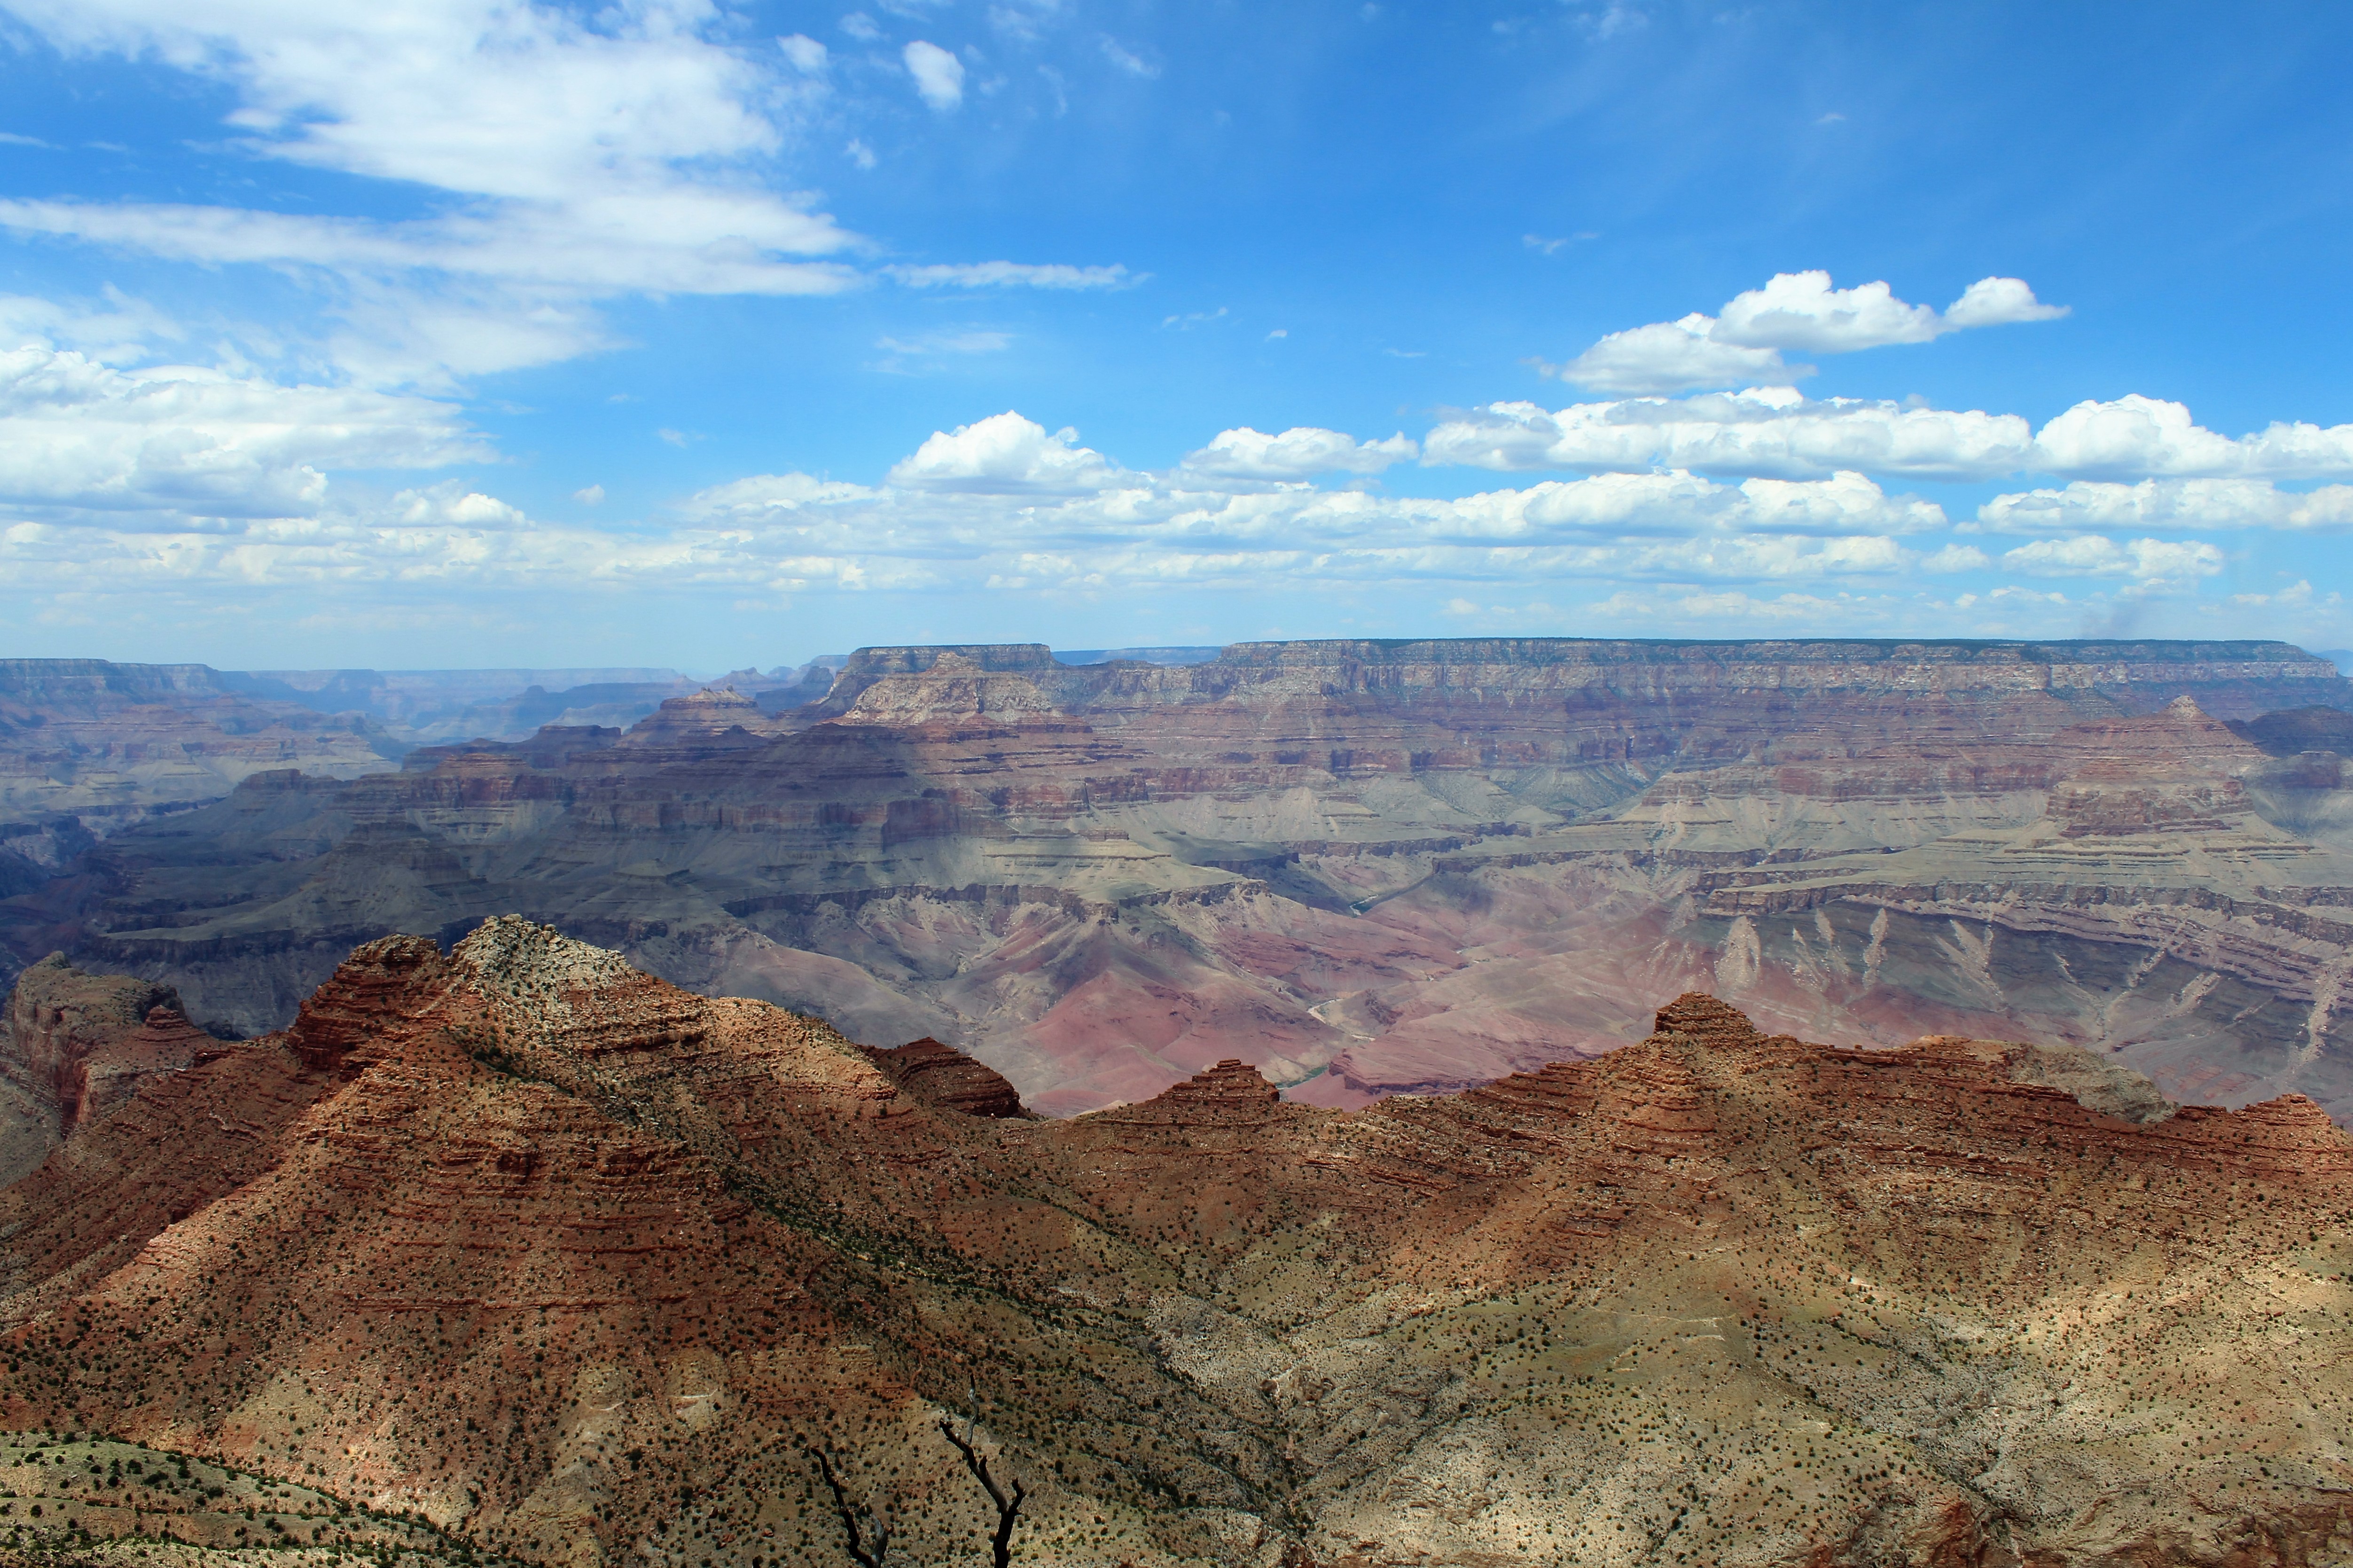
[1999, 302]
[1005, 454]
[1799, 311]
[1674, 356]
[2133, 436]
[1014, 275]
[2089, 504]
[1000, 503]
[2096, 555]
[939, 75]
[1766, 431]
[1776, 431]
[1300, 453]
[188, 443]
[1956, 558]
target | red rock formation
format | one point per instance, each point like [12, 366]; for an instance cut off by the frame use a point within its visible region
[945, 1078]
[574, 1262]
[75, 1048]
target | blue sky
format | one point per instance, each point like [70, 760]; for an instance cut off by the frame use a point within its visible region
[461, 332]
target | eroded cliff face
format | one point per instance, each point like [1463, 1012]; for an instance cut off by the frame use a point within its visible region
[1372, 867]
[573, 1263]
[75, 1047]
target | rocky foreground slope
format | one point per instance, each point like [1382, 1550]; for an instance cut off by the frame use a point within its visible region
[1373, 866]
[574, 1263]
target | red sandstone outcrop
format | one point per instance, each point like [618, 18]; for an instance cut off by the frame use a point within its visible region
[75, 1047]
[573, 1262]
[945, 1078]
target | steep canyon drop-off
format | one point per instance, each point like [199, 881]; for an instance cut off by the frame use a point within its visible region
[1369, 866]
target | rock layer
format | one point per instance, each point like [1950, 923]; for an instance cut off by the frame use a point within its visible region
[573, 1264]
[1373, 867]
[75, 1047]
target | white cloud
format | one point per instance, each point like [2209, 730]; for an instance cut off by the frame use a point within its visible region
[1767, 431]
[2096, 555]
[860, 26]
[1127, 60]
[1673, 356]
[1003, 455]
[971, 340]
[584, 161]
[1717, 609]
[589, 496]
[748, 499]
[1795, 312]
[188, 443]
[113, 330]
[453, 505]
[2136, 436]
[1014, 275]
[2298, 596]
[1299, 452]
[860, 153]
[1801, 310]
[1997, 303]
[939, 75]
[1001, 504]
[809, 55]
[2170, 503]
[1956, 558]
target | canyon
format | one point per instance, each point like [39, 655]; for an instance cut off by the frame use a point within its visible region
[1373, 867]
[536, 1256]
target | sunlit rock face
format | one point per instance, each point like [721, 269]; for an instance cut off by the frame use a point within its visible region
[1369, 867]
[519, 1243]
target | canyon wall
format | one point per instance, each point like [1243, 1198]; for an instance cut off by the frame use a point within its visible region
[1373, 867]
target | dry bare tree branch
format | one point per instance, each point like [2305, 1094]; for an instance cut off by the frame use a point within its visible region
[1007, 1509]
[871, 1547]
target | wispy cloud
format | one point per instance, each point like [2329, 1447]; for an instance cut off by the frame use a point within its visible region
[1014, 275]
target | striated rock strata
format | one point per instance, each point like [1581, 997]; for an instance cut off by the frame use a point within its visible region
[1372, 867]
[571, 1264]
[75, 1047]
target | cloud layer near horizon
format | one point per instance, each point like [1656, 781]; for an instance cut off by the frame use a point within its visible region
[123, 477]
[115, 479]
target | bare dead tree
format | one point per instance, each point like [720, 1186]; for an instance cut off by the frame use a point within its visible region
[1009, 1509]
[870, 1544]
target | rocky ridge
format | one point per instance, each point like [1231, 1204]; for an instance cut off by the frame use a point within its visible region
[570, 1262]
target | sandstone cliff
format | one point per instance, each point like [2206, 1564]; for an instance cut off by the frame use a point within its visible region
[572, 1263]
[75, 1047]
